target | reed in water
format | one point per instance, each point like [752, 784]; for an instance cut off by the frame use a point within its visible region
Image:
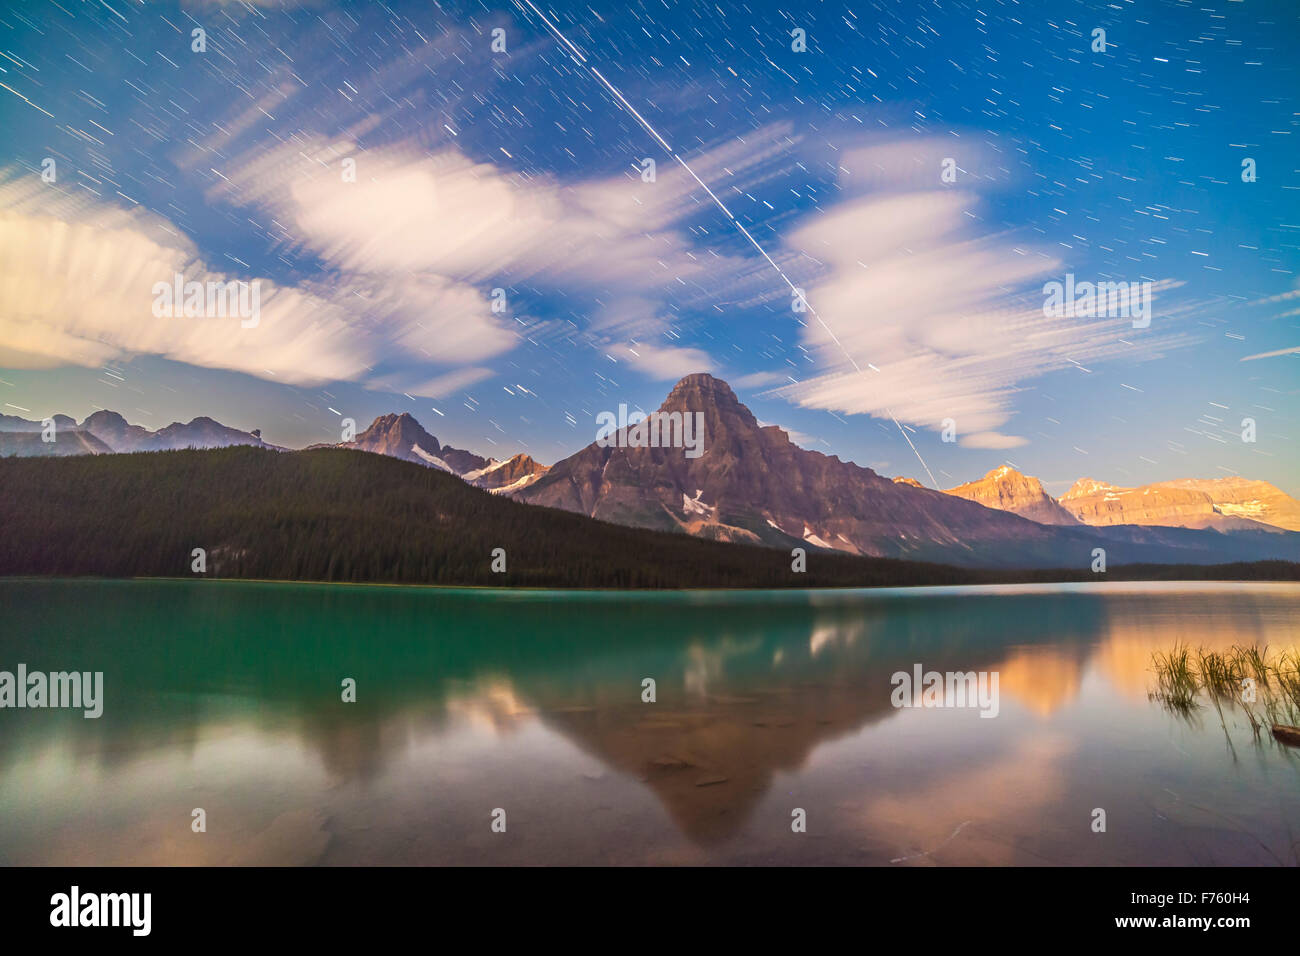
[1265, 685]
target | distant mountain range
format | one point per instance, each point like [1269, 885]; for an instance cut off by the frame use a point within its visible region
[107, 432]
[397, 436]
[1227, 504]
[1224, 504]
[753, 485]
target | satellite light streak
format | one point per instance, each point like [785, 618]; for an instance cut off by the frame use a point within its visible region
[621, 100]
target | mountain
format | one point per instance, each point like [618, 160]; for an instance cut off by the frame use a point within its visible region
[504, 477]
[67, 441]
[12, 423]
[750, 483]
[202, 432]
[401, 436]
[107, 431]
[332, 514]
[735, 480]
[1244, 498]
[1008, 490]
[23, 438]
[398, 436]
[1224, 504]
[115, 432]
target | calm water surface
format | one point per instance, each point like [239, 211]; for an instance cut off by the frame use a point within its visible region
[226, 696]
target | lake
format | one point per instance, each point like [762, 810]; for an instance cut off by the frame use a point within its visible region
[228, 697]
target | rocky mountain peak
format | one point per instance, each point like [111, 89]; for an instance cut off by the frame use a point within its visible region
[701, 392]
[399, 436]
[104, 417]
[404, 426]
[402, 436]
[1085, 487]
[509, 476]
[1006, 489]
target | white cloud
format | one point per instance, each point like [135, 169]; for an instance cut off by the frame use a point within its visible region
[944, 318]
[441, 217]
[759, 380]
[663, 363]
[439, 386]
[76, 280]
[444, 214]
[992, 440]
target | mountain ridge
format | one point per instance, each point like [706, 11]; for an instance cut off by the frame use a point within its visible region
[752, 484]
[661, 488]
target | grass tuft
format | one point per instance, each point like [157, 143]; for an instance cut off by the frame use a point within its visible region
[1184, 675]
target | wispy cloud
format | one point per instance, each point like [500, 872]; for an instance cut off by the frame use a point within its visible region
[953, 322]
[76, 280]
[1291, 351]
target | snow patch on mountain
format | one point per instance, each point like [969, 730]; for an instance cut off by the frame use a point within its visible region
[812, 538]
[433, 460]
[491, 466]
[694, 506]
[517, 485]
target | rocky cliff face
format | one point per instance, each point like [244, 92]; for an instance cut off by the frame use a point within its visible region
[751, 483]
[1008, 490]
[1244, 498]
[1225, 504]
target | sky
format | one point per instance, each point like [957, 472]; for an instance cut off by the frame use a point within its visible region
[449, 210]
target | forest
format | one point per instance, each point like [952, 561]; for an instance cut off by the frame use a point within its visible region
[350, 516]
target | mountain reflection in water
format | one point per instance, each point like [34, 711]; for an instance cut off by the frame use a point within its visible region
[226, 696]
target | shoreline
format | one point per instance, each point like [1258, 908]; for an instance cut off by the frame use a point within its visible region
[1133, 585]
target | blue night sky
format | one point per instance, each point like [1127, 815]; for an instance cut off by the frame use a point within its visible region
[519, 170]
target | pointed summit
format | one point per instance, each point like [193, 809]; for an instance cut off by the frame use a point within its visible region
[703, 385]
[1087, 486]
[1006, 489]
[701, 392]
[401, 436]
[115, 432]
